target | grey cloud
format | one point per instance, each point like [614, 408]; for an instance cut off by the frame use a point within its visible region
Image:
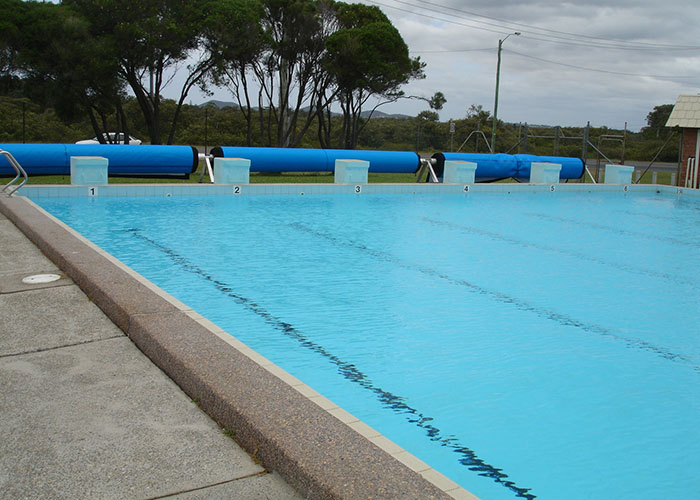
[606, 27]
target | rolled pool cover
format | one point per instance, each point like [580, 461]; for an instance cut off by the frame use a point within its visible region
[571, 168]
[124, 159]
[492, 167]
[318, 160]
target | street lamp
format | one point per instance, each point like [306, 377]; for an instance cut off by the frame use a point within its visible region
[498, 79]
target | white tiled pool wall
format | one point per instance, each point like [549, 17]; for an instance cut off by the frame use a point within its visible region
[58, 191]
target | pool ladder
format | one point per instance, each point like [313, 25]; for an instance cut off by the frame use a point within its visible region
[20, 173]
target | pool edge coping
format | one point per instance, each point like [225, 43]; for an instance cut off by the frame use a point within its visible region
[47, 244]
[171, 190]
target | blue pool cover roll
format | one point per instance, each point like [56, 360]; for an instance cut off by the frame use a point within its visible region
[36, 159]
[395, 162]
[571, 168]
[492, 167]
[144, 160]
[489, 166]
[276, 159]
[318, 160]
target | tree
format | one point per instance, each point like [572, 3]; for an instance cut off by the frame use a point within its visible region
[234, 34]
[286, 61]
[286, 71]
[63, 67]
[325, 91]
[437, 101]
[10, 35]
[656, 119]
[150, 39]
[271, 47]
[427, 130]
[431, 116]
[477, 111]
[367, 57]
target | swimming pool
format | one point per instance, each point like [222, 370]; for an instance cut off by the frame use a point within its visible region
[533, 345]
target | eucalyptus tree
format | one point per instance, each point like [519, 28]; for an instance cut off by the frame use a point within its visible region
[367, 57]
[285, 72]
[61, 66]
[290, 60]
[151, 40]
[235, 36]
[268, 54]
[324, 91]
[10, 33]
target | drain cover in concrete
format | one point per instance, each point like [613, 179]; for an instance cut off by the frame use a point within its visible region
[38, 279]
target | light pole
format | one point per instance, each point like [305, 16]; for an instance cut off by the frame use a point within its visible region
[498, 79]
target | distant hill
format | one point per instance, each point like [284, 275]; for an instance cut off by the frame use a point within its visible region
[380, 114]
[377, 114]
[219, 104]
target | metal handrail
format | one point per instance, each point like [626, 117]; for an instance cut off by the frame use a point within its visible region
[590, 175]
[427, 164]
[207, 168]
[20, 173]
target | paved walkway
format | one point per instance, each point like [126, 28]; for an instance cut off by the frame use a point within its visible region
[84, 414]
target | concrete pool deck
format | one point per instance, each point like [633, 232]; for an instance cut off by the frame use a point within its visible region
[86, 415]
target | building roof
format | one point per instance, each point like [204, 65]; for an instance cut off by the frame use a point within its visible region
[686, 112]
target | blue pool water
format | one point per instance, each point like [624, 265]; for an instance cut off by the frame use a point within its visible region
[526, 345]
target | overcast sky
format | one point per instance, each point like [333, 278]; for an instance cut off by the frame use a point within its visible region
[600, 61]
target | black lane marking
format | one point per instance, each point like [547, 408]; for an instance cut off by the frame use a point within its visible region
[561, 319]
[349, 371]
[658, 217]
[578, 255]
[615, 230]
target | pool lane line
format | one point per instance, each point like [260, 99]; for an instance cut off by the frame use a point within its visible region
[615, 230]
[350, 372]
[655, 217]
[560, 318]
[570, 253]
